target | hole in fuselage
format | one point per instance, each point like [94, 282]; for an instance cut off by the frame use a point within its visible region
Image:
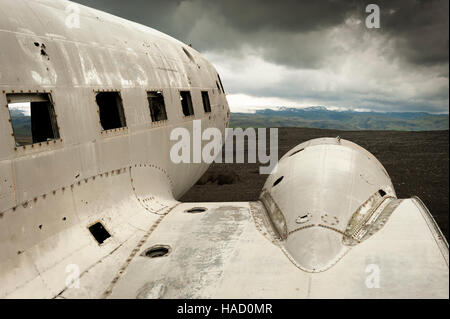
[110, 107]
[297, 151]
[382, 193]
[302, 219]
[157, 106]
[33, 118]
[157, 251]
[278, 181]
[186, 103]
[196, 210]
[99, 232]
[189, 55]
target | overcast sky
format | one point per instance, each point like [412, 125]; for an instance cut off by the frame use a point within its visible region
[309, 53]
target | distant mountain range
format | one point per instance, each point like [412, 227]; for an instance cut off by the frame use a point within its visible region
[20, 122]
[313, 117]
[321, 117]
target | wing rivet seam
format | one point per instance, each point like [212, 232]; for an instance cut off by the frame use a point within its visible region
[86, 180]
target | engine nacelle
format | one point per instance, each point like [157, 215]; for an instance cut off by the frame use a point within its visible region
[325, 196]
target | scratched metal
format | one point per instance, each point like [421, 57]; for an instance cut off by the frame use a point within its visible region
[51, 192]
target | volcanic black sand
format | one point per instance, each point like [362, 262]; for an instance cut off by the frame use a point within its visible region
[418, 163]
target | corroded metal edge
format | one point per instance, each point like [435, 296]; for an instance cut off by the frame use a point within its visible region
[439, 237]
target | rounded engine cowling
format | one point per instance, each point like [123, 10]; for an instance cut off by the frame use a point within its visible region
[325, 196]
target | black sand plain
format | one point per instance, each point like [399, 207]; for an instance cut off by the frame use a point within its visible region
[418, 163]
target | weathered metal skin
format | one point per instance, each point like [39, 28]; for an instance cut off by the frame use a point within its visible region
[327, 204]
[326, 183]
[50, 192]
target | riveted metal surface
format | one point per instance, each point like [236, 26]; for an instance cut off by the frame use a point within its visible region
[51, 191]
[123, 178]
[329, 180]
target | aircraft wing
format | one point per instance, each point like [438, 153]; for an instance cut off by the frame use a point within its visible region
[88, 203]
[229, 250]
[327, 225]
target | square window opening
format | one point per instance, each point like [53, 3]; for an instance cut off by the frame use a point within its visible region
[99, 232]
[33, 118]
[206, 102]
[186, 103]
[111, 111]
[157, 106]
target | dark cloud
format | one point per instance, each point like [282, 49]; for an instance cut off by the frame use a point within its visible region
[285, 32]
[281, 28]
[287, 16]
[420, 29]
[403, 65]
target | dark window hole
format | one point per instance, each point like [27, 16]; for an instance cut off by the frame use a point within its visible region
[157, 251]
[186, 103]
[381, 192]
[33, 118]
[99, 232]
[157, 106]
[278, 181]
[112, 115]
[206, 102]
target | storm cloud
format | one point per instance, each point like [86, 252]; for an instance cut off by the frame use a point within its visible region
[302, 53]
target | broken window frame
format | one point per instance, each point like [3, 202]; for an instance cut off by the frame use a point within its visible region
[38, 134]
[152, 112]
[189, 55]
[218, 87]
[190, 105]
[206, 106]
[221, 85]
[120, 111]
